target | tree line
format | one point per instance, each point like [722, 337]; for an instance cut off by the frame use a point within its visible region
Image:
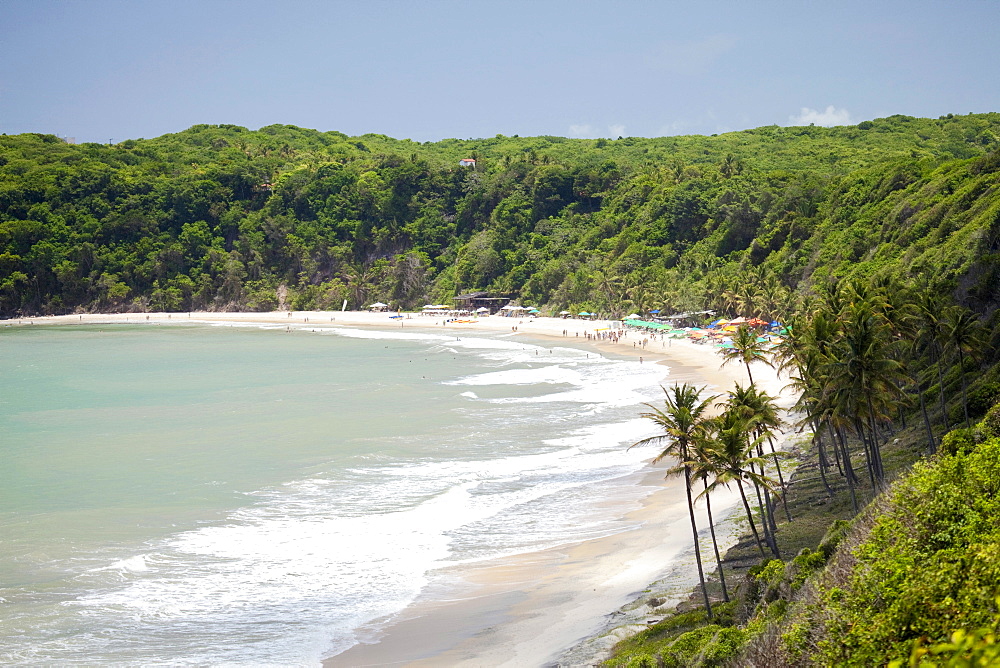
[221, 217]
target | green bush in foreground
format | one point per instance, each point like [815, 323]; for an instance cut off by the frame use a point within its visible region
[928, 566]
[964, 649]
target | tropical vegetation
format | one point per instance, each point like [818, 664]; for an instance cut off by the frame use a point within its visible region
[222, 217]
[877, 245]
[911, 581]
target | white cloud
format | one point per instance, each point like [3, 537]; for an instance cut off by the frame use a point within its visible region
[588, 131]
[582, 131]
[829, 117]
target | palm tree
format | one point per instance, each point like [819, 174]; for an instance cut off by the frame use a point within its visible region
[934, 329]
[807, 352]
[866, 375]
[963, 331]
[702, 468]
[734, 460]
[746, 349]
[761, 408]
[683, 422]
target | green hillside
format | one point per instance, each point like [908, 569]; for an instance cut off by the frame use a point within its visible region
[218, 217]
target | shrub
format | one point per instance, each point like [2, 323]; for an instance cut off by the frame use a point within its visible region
[834, 534]
[927, 566]
[958, 441]
[724, 646]
[642, 661]
[803, 565]
[990, 426]
[983, 397]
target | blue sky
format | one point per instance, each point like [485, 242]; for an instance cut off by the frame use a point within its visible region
[101, 70]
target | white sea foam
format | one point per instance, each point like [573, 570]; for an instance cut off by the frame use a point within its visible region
[551, 374]
[379, 335]
[294, 573]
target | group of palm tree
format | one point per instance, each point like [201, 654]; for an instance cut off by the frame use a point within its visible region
[719, 450]
[859, 356]
[866, 353]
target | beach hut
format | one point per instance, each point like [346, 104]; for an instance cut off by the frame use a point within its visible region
[513, 310]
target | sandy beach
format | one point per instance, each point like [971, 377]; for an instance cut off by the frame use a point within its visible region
[540, 608]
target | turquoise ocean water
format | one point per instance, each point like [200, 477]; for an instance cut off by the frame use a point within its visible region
[196, 494]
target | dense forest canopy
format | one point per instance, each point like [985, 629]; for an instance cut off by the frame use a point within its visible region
[222, 217]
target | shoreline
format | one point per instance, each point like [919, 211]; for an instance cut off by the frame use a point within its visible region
[552, 607]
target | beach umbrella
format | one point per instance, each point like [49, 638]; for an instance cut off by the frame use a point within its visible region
[632, 316]
[564, 313]
[655, 310]
[482, 309]
[583, 313]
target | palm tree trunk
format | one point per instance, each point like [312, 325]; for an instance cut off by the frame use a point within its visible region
[715, 543]
[944, 406]
[927, 424]
[860, 428]
[697, 548]
[876, 452]
[753, 525]
[848, 470]
[764, 524]
[766, 521]
[836, 450]
[965, 399]
[824, 463]
[781, 478]
[769, 503]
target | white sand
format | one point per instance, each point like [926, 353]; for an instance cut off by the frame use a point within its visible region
[529, 610]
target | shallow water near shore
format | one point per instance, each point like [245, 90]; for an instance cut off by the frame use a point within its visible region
[218, 494]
